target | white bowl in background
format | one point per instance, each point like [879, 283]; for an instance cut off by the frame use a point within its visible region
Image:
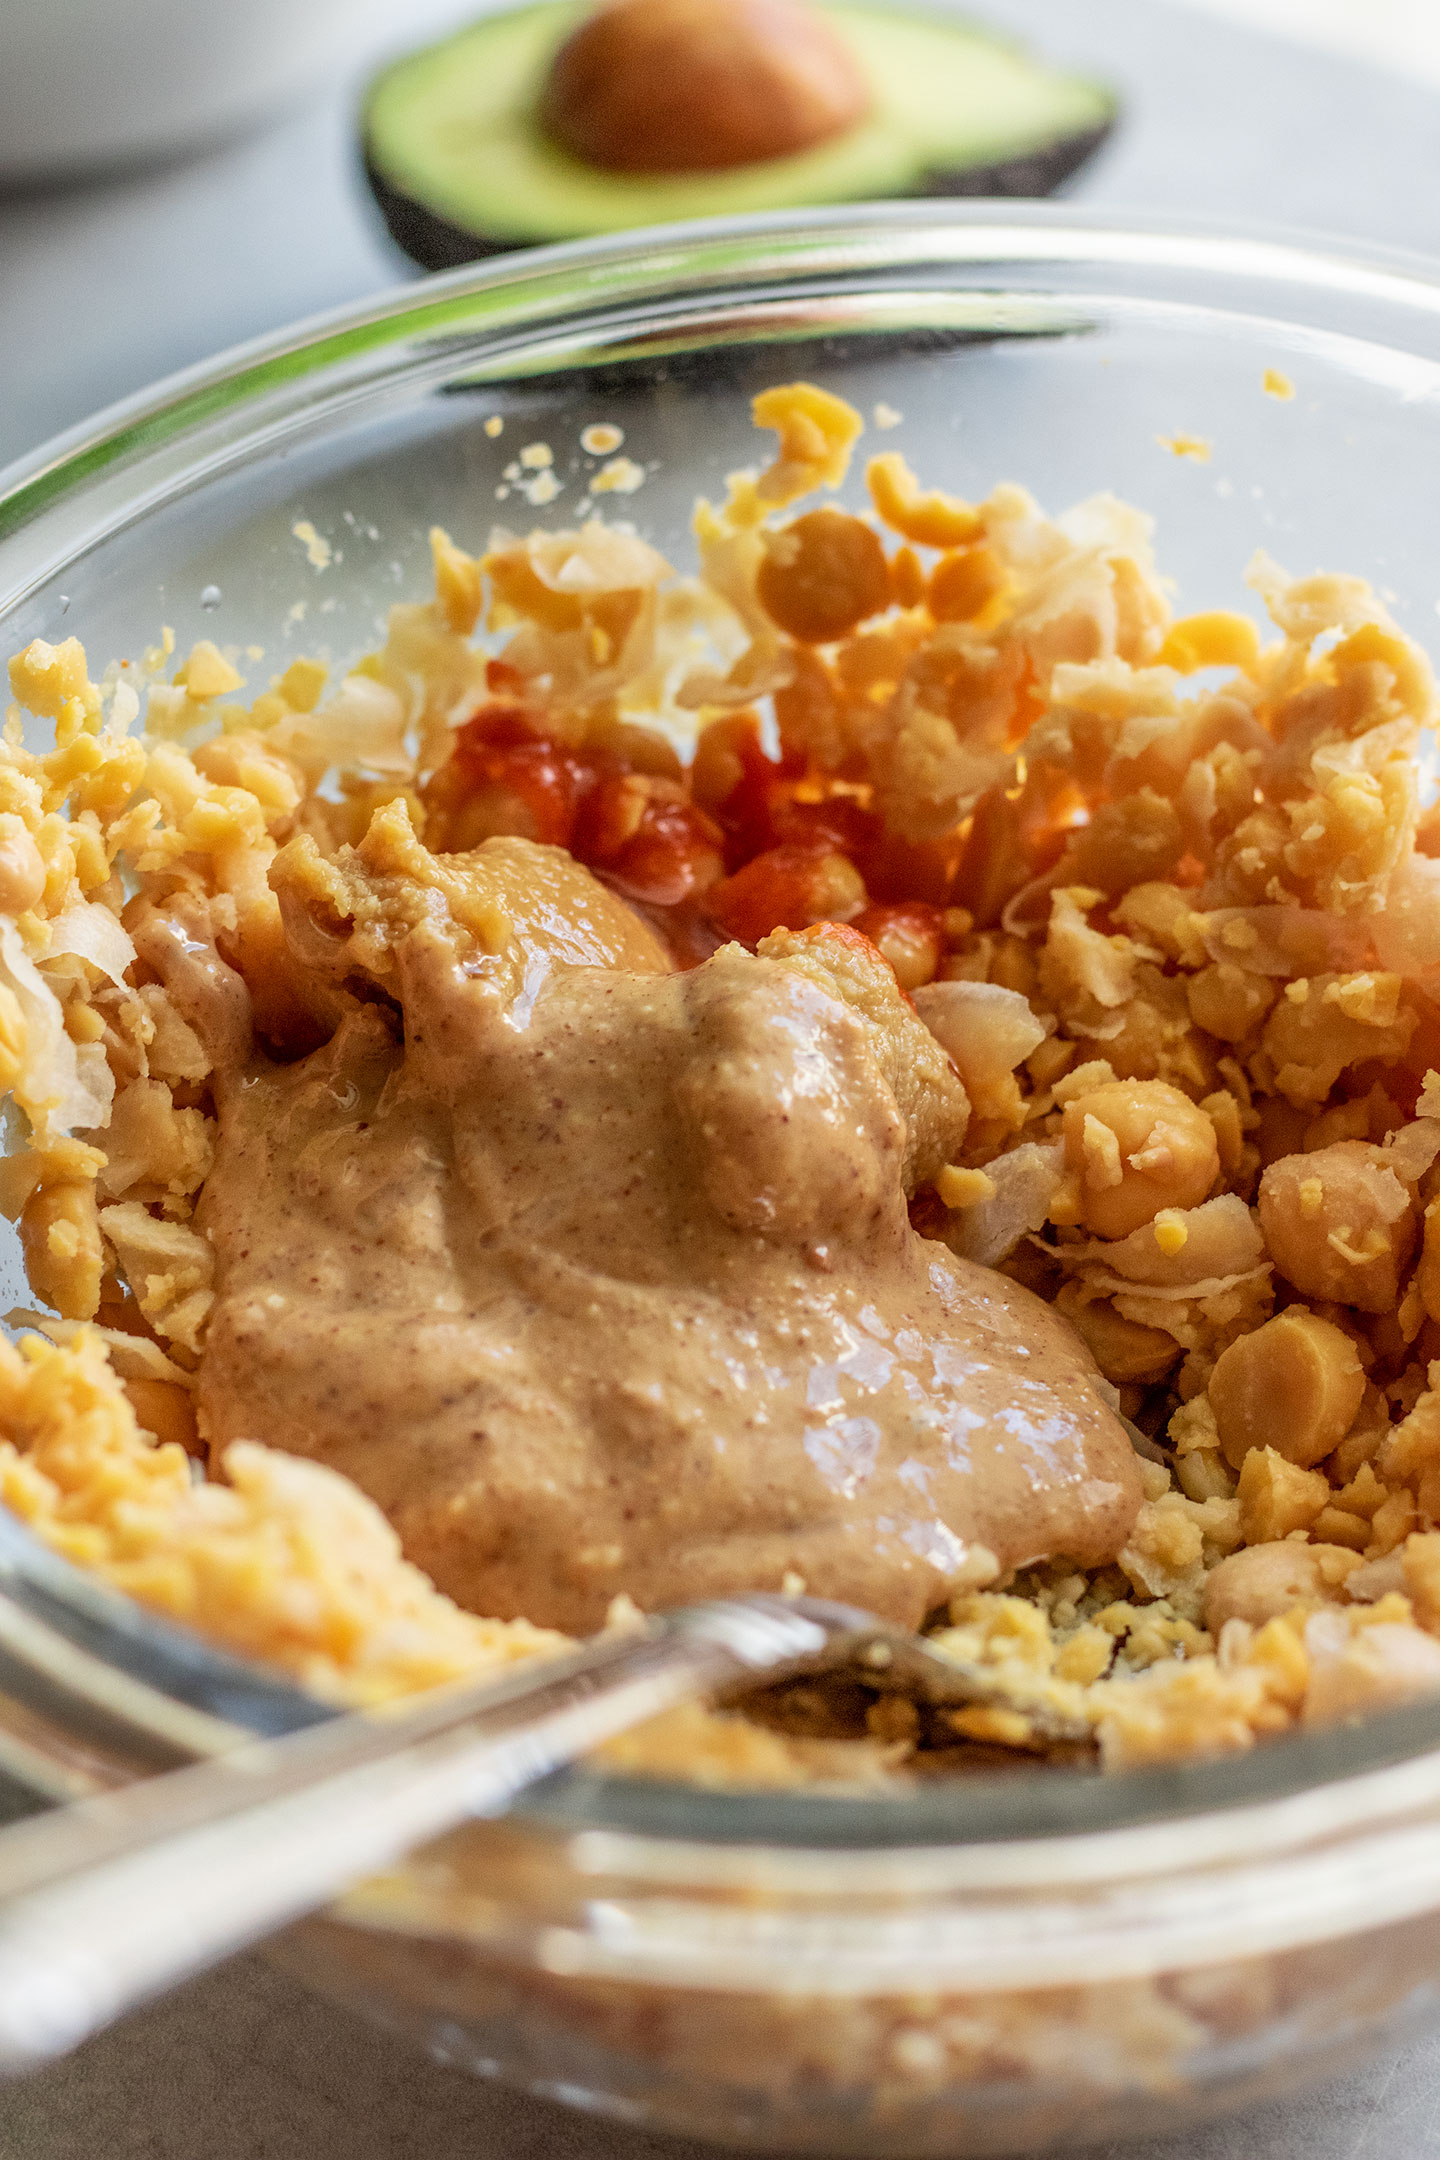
[87, 84]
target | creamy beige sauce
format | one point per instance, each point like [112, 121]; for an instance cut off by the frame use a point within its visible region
[600, 1278]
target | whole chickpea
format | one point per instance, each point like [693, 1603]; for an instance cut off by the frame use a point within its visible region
[1294, 1384]
[64, 1259]
[166, 1411]
[1137, 1146]
[1264, 1581]
[787, 888]
[1227, 1002]
[910, 937]
[1338, 1224]
[1126, 1351]
[822, 575]
[964, 582]
[22, 872]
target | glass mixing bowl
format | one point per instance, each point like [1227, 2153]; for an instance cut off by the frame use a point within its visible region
[982, 1966]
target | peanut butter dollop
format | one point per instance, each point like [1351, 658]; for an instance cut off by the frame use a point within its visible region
[600, 1278]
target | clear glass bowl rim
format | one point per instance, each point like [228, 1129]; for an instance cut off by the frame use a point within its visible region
[70, 494]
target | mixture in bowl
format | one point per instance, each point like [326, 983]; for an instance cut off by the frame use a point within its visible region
[891, 1066]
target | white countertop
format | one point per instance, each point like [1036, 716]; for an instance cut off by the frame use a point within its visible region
[104, 287]
[1400, 34]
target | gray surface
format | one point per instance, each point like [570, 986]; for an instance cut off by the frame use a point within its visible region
[102, 289]
[244, 2066]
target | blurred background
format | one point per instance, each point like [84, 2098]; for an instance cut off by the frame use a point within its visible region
[174, 178]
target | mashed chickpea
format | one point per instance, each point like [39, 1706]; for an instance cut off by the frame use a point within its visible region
[956, 968]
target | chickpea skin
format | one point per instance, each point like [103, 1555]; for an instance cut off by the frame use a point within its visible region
[1138, 1146]
[1264, 1581]
[22, 872]
[1294, 1384]
[1338, 1224]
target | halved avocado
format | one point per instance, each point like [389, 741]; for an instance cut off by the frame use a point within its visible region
[462, 168]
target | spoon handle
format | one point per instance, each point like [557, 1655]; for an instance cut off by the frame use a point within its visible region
[111, 1901]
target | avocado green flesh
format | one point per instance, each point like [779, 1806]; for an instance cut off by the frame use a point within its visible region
[453, 131]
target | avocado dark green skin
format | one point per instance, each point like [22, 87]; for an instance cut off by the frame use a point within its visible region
[435, 243]
[427, 238]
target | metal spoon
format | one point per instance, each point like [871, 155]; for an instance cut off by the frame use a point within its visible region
[117, 1898]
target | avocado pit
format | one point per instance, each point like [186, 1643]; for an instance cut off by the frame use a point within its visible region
[677, 86]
